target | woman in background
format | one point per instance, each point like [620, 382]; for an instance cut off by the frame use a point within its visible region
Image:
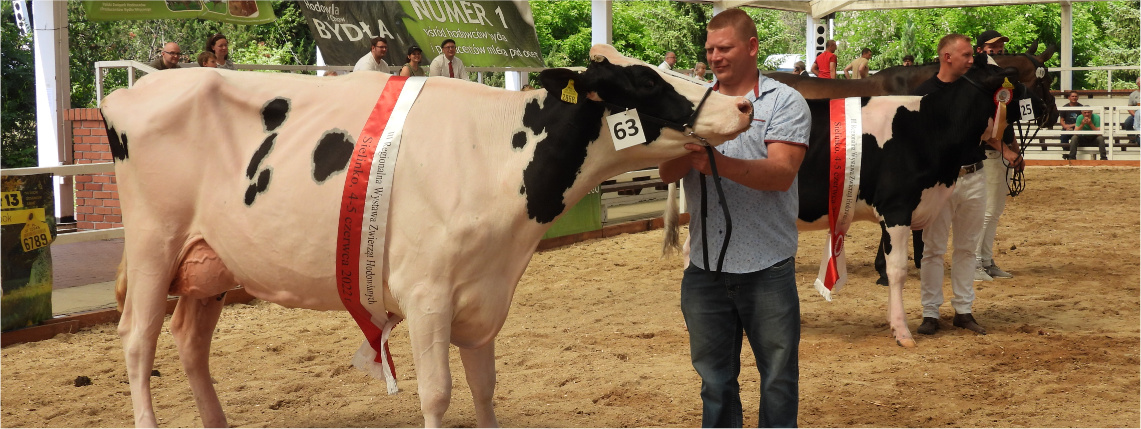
[218, 45]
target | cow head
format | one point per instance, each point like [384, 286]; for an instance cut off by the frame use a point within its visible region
[576, 152]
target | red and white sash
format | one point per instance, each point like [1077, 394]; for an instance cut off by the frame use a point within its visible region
[846, 131]
[363, 221]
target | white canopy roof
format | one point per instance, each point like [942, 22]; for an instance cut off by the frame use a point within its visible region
[821, 8]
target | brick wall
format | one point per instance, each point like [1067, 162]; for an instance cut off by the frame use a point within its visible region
[96, 195]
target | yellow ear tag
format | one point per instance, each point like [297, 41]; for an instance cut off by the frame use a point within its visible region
[569, 94]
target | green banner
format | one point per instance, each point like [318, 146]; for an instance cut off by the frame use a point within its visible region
[244, 12]
[487, 33]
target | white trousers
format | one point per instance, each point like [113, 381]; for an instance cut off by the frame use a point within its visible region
[964, 214]
[997, 188]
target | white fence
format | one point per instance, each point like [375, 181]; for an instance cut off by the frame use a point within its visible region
[72, 170]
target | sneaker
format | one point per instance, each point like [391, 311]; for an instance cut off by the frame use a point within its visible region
[982, 276]
[997, 273]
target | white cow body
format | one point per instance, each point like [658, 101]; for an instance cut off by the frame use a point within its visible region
[460, 227]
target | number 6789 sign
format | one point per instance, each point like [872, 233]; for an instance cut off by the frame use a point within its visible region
[626, 129]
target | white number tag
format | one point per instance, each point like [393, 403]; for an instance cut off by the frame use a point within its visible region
[1026, 109]
[626, 129]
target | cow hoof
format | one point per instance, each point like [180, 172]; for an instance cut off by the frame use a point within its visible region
[907, 344]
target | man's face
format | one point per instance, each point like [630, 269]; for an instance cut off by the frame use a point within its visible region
[993, 48]
[731, 59]
[957, 58]
[379, 50]
[449, 50]
[866, 55]
[671, 59]
[171, 53]
[1087, 113]
[1073, 97]
[908, 62]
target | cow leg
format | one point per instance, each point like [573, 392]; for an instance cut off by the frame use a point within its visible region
[896, 275]
[193, 326]
[429, 328]
[144, 308]
[479, 365]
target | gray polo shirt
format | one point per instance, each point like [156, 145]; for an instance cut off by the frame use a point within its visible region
[764, 222]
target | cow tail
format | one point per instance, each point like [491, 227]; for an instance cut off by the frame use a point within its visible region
[670, 245]
[121, 284]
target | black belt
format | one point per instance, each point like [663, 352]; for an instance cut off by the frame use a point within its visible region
[968, 169]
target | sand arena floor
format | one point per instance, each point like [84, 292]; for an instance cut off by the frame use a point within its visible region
[595, 339]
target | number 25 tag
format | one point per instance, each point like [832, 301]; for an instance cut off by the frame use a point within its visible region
[626, 129]
[1026, 109]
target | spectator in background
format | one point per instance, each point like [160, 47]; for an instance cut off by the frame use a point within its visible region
[668, 64]
[798, 69]
[1070, 117]
[413, 68]
[220, 47]
[447, 64]
[1088, 121]
[859, 65]
[169, 57]
[1130, 123]
[699, 71]
[374, 59]
[825, 64]
[908, 60]
[207, 59]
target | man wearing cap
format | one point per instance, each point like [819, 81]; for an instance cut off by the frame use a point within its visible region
[991, 42]
[374, 59]
[447, 64]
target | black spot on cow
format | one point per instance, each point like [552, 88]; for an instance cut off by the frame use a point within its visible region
[332, 154]
[519, 140]
[257, 187]
[571, 128]
[117, 142]
[522, 189]
[259, 155]
[274, 112]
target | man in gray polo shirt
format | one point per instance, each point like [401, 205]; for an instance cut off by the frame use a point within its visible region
[756, 292]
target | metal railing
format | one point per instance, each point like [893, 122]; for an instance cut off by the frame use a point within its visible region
[72, 170]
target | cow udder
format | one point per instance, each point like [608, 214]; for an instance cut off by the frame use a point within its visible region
[201, 273]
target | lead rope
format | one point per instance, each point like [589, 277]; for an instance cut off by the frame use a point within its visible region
[704, 216]
[1018, 177]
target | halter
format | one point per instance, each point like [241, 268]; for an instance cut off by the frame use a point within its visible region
[682, 127]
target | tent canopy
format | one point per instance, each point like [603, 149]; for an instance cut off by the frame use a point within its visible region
[821, 8]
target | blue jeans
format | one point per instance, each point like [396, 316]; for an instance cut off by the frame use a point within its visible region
[764, 304]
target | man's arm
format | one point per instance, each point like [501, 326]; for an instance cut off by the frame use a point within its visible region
[863, 71]
[847, 71]
[815, 69]
[775, 173]
[832, 67]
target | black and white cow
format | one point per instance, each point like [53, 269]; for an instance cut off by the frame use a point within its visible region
[230, 178]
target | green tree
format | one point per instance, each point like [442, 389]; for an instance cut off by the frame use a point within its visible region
[17, 94]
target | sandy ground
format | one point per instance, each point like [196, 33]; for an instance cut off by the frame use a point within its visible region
[595, 338]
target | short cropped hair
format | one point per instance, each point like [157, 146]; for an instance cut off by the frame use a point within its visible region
[737, 19]
[445, 42]
[949, 39]
[377, 39]
[865, 51]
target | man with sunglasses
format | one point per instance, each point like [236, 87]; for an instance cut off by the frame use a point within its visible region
[169, 57]
[374, 59]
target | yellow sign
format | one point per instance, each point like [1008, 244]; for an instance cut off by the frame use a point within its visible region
[15, 217]
[11, 200]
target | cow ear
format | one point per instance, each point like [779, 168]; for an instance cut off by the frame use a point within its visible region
[555, 80]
